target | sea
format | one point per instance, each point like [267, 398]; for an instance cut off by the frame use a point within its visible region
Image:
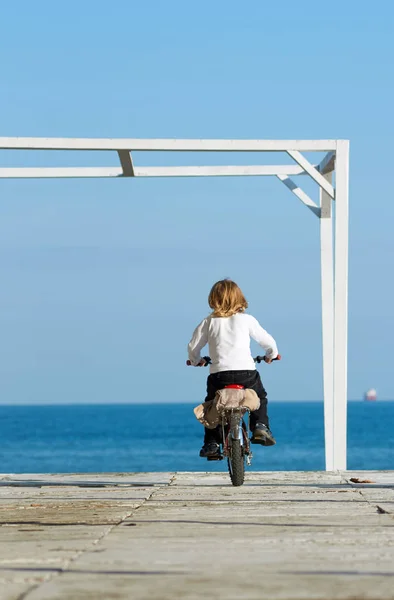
[167, 437]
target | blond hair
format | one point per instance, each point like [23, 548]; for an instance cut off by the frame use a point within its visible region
[226, 299]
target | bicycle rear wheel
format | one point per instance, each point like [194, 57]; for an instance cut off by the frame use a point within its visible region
[236, 463]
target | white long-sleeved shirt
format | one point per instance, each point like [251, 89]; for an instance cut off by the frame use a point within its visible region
[229, 342]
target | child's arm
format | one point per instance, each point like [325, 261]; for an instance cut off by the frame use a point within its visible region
[197, 343]
[262, 337]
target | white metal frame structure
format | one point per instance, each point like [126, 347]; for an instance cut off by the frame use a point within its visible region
[333, 232]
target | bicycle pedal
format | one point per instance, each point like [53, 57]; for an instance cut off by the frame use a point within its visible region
[217, 457]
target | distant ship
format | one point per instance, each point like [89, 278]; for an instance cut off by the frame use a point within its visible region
[370, 396]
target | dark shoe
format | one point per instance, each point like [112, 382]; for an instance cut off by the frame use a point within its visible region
[210, 450]
[262, 435]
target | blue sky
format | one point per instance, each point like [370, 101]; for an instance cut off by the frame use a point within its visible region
[104, 281]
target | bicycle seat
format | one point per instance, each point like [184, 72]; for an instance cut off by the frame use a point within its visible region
[234, 386]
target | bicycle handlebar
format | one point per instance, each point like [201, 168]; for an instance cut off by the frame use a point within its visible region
[257, 359]
[260, 359]
[207, 360]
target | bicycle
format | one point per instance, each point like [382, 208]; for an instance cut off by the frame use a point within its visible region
[235, 433]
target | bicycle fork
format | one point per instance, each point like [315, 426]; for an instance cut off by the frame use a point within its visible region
[237, 430]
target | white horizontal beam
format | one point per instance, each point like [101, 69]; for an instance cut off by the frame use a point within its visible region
[56, 172]
[312, 171]
[218, 171]
[305, 199]
[196, 145]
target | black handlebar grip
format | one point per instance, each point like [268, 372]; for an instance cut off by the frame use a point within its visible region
[260, 359]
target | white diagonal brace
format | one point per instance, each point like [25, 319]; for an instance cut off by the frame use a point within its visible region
[327, 165]
[126, 162]
[305, 199]
[310, 169]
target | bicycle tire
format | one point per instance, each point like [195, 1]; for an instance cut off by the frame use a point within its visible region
[236, 463]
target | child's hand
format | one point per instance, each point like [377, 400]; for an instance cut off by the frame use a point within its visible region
[202, 363]
[269, 360]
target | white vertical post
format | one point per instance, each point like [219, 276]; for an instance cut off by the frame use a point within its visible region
[327, 296]
[341, 303]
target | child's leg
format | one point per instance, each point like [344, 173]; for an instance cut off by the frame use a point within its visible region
[213, 385]
[212, 435]
[261, 414]
[259, 423]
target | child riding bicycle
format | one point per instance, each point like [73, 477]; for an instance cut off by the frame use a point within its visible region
[227, 331]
